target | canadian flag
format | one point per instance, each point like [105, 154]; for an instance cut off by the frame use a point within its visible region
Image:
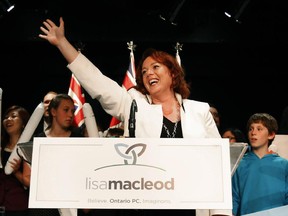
[129, 79]
[75, 91]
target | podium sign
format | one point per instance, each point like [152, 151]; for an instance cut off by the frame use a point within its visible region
[131, 173]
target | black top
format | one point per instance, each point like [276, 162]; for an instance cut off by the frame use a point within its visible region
[171, 129]
[75, 132]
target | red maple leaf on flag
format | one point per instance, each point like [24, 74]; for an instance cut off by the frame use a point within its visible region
[75, 91]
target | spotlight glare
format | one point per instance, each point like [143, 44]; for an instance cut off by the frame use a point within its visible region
[227, 14]
[6, 6]
[10, 8]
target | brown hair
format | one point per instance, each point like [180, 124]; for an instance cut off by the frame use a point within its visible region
[54, 104]
[179, 83]
[24, 115]
[267, 120]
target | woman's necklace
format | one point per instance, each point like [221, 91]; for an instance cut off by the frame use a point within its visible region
[168, 132]
[173, 113]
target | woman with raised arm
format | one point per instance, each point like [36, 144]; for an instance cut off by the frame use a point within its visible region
[161, 93]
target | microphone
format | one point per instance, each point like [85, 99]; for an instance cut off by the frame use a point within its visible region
[132, 119]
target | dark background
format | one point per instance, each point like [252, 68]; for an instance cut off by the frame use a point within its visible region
[240, 66]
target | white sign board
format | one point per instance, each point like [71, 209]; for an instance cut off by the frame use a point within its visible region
[131, 173]
[280, 145]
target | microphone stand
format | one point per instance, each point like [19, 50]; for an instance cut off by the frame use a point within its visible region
[132, 119]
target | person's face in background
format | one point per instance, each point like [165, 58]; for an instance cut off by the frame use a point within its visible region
[228, 134]
[259, 136]
[46, 100]
[13, 123]
[63, 115]
[215, 115]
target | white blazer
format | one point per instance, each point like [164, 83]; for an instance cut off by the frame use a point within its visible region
[196, 119]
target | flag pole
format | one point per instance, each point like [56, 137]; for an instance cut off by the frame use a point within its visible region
[131, 46]
[178, 48]
[129, 79]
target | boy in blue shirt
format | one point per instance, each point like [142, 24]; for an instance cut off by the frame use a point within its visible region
[261, 179]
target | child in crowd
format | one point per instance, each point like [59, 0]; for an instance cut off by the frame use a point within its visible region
[261, 179]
